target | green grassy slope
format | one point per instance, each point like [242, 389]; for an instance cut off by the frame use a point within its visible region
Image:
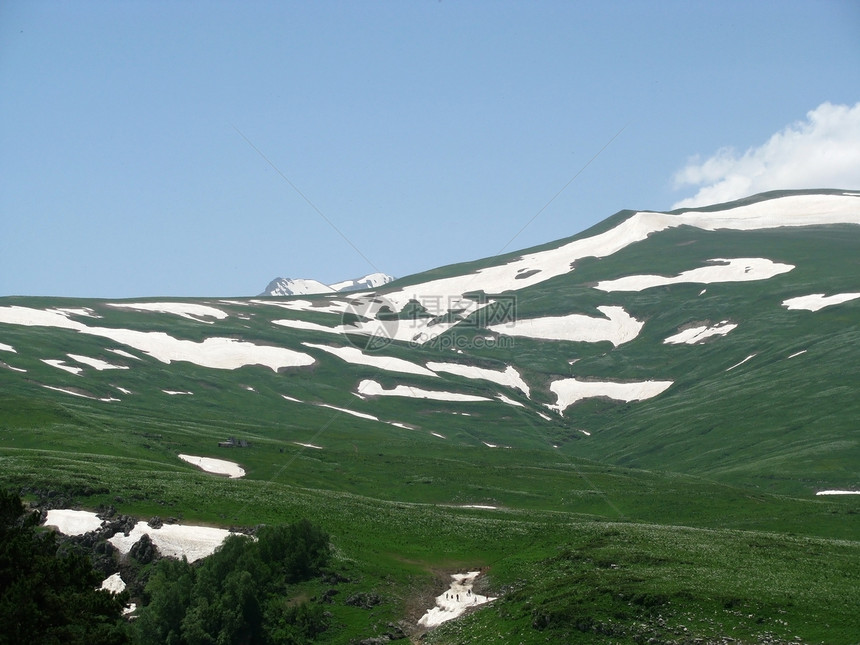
[689, 515]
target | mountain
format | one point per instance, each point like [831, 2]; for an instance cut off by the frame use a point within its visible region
[633, 433]
[300, 286]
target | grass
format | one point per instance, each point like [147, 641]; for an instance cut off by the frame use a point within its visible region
[691, 515]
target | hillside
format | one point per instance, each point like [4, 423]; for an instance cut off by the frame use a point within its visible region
[635, 421]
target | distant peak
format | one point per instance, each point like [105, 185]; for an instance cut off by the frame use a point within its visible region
[303, 286]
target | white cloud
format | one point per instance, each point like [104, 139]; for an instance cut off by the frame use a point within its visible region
[822, 151]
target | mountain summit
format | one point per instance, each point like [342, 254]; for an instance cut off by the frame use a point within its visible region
[303, 286]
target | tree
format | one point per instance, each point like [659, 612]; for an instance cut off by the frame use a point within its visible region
[49, 594]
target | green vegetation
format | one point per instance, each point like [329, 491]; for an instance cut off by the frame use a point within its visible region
[240, 594]
[692, 515]
[49, 594]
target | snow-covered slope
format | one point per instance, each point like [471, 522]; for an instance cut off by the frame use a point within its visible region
[302, 286]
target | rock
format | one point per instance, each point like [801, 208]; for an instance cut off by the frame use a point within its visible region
[365, 600]
[155, 522]
[328, 595]
[144, 551]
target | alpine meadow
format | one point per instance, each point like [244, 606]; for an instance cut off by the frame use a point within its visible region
[644, 433]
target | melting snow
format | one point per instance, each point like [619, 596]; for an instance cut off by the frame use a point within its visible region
[289, 398]
[174, 540]
[570, 390]
[184, 309]
[372, 388]
[617, 327]
[802, 351]
[124, 353]
[319, 306]
[389, 363]
[177, 392]
[70, 522]
[510, 377]
[509, 401]
[216, 466]
[96, 363]
[741, 363]
[217, 353]
[66, 390]
[7, 348]
[455, 601]
[438, 296]
[114, 583]
[309, 326]
[695, 335]
[817, 301]
[61, 365]
[360, 415]
[838, 492]
[728, 270]
[308, 445]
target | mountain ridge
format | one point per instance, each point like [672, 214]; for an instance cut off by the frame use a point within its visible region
[304, 286]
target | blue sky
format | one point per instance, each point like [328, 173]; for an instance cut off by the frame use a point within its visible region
[426, 132]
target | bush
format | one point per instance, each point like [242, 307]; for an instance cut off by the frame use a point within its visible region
[237, 595]
[48, 594]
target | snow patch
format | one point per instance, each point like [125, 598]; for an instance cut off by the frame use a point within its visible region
[741, 363]
[695, 335]
[373, 388]
[510, 377]
[66, 390]
[215, 466]
[509, 401]
[53, 362]
[70, 522]
[124, 353]
[216, 353]
[188, 310]
[307, 445]
[817, 301]
[360, 415]
[727, 270]
[174, 540]
[114, 584]
[455, 601]
[617, 327]
[96, 363]
[389, 363]
[7, 348]
[569, 391]
[838, 492]
[802, 351]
